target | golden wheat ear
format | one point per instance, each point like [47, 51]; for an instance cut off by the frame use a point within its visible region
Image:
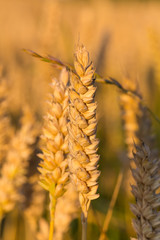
[14, 169]
[147, 181]
[83, 144]
[131, 112]
[53, 167]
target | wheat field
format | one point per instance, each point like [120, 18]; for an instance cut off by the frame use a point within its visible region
[79, 120]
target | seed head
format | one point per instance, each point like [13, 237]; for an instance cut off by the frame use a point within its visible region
[83, 145]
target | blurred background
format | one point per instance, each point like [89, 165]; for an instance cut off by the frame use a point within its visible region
[123, 38]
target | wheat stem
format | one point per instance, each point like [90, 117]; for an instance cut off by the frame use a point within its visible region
[51, 230]
[84, 226]
[52, 214]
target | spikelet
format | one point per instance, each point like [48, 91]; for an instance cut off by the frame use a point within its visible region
[64, 215]
[83, 145]
[146, 175]
[13, 172]
[53, 166]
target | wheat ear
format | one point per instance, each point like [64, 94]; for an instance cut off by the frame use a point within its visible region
[137, 125]
[136, 119]
[83, 145]
[146, 175]
[53, 166]
[131, 112]
[13, 172]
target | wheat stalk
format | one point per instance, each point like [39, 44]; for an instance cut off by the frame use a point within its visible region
[53, 166]
[146, 175]
[83, 145]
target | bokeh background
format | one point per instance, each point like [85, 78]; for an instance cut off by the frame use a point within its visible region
[123, 38]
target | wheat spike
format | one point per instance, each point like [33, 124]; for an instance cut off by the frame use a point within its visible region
[13, 172]
[54, 139]
[137, 125]
[53, 166]
[146, 175]
[83, 145]
[131, 111]
[136, 119]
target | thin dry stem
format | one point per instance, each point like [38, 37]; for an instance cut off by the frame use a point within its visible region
[84, 227]
[52, 215]
[111, 206]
